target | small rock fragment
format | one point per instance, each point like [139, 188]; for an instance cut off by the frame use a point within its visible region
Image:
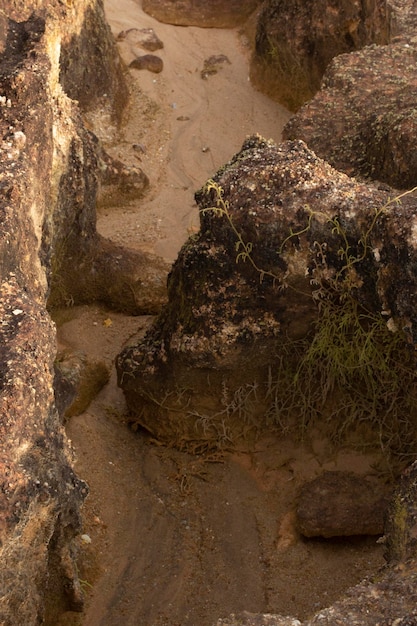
[149, 62]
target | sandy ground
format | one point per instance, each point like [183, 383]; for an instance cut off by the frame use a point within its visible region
[178, 540]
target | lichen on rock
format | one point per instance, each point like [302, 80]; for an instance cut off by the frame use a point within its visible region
[292, 260]
[50, 170]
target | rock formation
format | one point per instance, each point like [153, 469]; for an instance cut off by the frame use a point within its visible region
[366, 113]
[203, 13]
[365, 108]
[287, 246]
[296, 40]
[290, 250]
[52, 168]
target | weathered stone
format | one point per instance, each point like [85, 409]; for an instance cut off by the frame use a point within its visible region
[45, 154]
[91, 71]
[296, 40]
[213, 64]
[341, 504]
[119, 183]
[390, 597]
[83, 266]
[203, 13]
[40, 494]
[144, 37]
[77, 381]
[278, 227]
[366, 114]
[149, 62]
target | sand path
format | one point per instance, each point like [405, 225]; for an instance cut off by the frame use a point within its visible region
[192, 126]
[179, 540]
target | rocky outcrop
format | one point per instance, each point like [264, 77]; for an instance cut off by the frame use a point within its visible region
[203, 13]
[365, 110]
[83, 266]
[366, 114]
[40, 496]
[286, 245]
[341, 504]
[90, 69]
[295, 41]
[51, 169]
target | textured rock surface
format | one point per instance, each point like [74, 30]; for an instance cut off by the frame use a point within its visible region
[77, 382]
[227, 321]
[365, 108]
[296, 40]
[49, 178]
[40, 496]
[149, 62]
[366, 114]
[204, 13]
[401, 524]
[341, 504]
[91, 71]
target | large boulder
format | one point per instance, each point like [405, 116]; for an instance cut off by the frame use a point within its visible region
[296, 40]
[366, 114]
[293, 258]
[203, 13]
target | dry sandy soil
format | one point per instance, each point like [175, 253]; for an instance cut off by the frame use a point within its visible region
[179, 540]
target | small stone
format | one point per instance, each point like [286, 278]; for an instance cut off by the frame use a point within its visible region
[149, 62]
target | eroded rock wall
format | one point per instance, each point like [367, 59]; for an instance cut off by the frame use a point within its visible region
[296, 40]
[51, 168]
[41, 496]
[363, 119]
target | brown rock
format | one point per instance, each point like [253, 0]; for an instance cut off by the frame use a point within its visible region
[401, 519]
[244, 291]
[203, 13]
[391, 596]
[48, 240]
[149, 62]
[366, 114]
[341, 504]
[144, 37]
[91, 70]
[77, 381]
[296, 40]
